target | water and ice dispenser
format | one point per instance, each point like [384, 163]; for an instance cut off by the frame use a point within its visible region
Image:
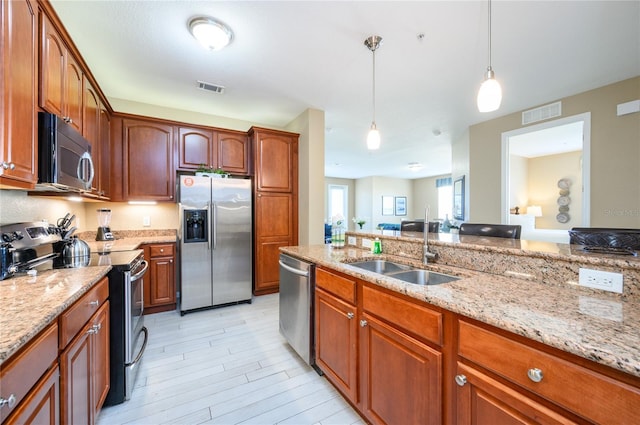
[195, 226]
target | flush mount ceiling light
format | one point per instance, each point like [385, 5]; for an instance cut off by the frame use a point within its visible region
[373, 138]
[211, 33]
[490, 94]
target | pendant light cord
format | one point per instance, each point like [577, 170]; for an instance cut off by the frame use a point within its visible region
[374, 86]
[490, 35]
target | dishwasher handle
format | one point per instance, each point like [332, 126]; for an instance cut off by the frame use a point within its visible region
[293, 270]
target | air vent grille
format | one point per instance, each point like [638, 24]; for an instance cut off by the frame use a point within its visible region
[542, 113]
[210, 87]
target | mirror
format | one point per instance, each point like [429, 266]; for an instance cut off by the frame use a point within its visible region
[546, 178]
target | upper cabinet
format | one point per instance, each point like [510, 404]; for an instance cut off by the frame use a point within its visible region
[91, 132]
[145, 160]
[18, 78]
[61, 78]
[216, 149]
[275, 160]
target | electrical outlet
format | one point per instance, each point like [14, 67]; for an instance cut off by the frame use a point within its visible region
[366, 243]
[351, 240]
[146, 221]
[598, 279]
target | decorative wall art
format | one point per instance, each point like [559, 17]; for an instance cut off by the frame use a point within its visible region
[401, 205]
[563, 201]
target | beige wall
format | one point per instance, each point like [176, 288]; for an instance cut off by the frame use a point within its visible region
[615, 155]
[460, 166]
[425, 194]
[544, 173]
[16, 207]
[519, 183]
[311, 207]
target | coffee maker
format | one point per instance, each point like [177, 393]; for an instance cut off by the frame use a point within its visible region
[104, 231]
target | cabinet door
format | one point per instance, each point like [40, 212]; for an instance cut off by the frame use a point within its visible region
[42, 405]
[336, 331]
[276, 162]
[147, 161]
[267, 268]
[76, 370]
[91, 130]
[105, 152]
[162, 282]
[101, 358]
[18, 77]
[195, 147]
[73, 92]
[401, 377]
[52, 69]
[483, 400]
[233, 153]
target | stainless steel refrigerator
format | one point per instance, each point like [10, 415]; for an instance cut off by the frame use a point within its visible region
[215, 242]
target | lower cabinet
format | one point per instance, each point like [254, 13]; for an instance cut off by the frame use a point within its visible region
[160, 283]
[42, 405]
[389, 374]
[83, 378]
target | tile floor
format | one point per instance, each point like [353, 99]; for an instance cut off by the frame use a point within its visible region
[226, 366]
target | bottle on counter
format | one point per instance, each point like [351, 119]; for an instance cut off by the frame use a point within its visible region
[376, 247]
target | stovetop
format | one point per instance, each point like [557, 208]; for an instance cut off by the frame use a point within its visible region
[122, 260]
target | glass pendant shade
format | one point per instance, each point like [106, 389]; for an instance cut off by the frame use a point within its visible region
[373, 138]
[490, 93]
[211, 34]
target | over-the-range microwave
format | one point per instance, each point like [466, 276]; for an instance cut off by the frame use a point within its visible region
[64, 156]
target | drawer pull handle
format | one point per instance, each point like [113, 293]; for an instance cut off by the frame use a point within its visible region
[461, 380]
[94, 303]
[350, 316]
[535, 374]
[363, 323]
[11, 401]
[94, 329]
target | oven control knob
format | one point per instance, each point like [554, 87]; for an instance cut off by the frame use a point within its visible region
[7, 237]
[17, 235]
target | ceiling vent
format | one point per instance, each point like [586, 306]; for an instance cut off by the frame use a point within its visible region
[542, 113]
[210, 87]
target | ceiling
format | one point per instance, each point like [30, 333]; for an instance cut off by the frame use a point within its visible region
[288, 56]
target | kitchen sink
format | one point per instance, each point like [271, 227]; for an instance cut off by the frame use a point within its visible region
[405, 273]
[380, 266]
[423, 277]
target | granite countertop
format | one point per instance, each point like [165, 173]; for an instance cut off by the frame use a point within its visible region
[596, 325]
[128, 243]
[29, 304]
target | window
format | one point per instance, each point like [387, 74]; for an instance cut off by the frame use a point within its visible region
[338, 201]
[445, 198]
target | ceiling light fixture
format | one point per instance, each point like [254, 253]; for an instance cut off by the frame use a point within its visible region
[490, 94]
[373, 138]
[211, 33]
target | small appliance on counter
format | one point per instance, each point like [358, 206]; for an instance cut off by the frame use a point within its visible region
[27, 246]
[104, 220]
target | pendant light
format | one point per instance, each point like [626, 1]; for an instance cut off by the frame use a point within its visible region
[490, 94]
[373, 138]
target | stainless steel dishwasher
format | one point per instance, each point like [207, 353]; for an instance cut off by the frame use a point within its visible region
[297, 281]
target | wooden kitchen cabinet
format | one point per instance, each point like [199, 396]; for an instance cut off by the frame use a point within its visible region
[336, 332]
[61, 78]
[160, 285]
[84, 362]
[275, 162]
[228, 150]
[92, 131]
[42, 405]
[145, 160]
[525, 384]
[104, 188]
[18, 78]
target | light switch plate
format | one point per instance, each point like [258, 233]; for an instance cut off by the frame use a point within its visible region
[351, 240]
[366, 243]
[146, 221]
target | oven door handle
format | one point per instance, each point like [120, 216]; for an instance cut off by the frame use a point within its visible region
[144, 345]
[141, 272]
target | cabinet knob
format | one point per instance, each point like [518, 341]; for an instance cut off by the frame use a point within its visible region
[350, 315]
[8, 165]
[535, 374]
[94, 303]
[11, 401]
[363, 323]
[461, 380]
[161, 249]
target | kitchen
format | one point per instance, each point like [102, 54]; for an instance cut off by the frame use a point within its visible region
[161, 216]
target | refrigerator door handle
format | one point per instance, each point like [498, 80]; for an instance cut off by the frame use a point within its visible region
[209, 212]
[214, 218]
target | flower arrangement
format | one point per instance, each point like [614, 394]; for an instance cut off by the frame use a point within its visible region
[359, 221]
[204, 168]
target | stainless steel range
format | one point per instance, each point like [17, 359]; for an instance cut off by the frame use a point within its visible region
[39, 246]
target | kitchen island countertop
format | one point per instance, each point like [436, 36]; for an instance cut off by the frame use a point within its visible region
[595, 325]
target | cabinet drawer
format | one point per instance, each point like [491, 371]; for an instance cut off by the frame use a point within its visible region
[23, 370]
[161, 250]
[337, 285]
[587, 393]
[416, 319]
[75, 317]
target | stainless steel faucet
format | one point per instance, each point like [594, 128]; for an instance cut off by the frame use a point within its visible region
[425, 247]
